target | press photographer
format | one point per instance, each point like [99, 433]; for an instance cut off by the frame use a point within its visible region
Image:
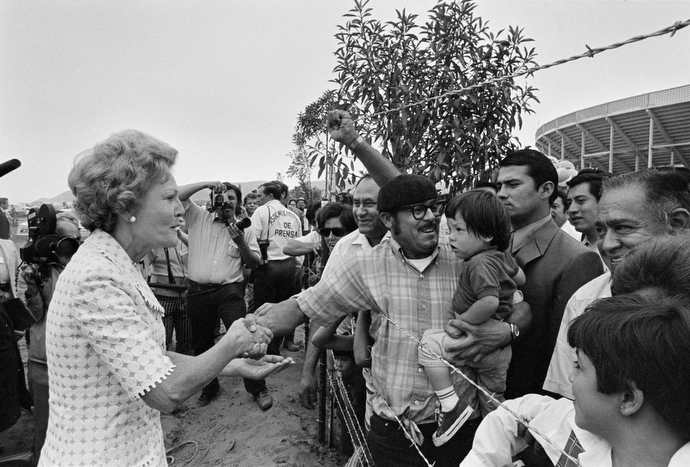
[53, 239]
[220, 246]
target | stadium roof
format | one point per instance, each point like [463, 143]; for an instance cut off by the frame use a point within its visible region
[650, 130]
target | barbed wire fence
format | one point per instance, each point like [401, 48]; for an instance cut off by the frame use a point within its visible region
[590, 53]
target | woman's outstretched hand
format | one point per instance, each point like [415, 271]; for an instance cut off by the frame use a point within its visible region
[257, 369]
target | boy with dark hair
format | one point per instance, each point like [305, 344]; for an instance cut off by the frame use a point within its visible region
[479, 235]
[630, 385]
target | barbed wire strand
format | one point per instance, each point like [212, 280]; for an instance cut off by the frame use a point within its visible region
[350, 411]
[491, 397]
[408, 436]
[529, 71]
[351, 421]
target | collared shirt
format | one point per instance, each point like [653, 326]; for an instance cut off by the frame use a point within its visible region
[568, 228]
[277, 224]
[498, 437]
[564, 357]
[214, 257]
[383, 281]
[520, 236]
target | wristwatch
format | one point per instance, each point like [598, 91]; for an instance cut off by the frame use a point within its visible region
[514, 331]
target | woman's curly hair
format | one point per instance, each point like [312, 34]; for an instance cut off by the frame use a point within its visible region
[113, 177]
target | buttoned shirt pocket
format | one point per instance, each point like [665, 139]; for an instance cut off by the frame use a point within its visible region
[233, 250]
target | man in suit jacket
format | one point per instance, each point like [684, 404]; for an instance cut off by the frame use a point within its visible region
[555, 264]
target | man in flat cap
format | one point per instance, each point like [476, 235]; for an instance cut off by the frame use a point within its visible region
[410, 279]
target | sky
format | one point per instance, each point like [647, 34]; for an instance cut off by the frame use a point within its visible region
[223, 81]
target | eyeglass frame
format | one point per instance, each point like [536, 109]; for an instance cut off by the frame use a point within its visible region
[427, 205]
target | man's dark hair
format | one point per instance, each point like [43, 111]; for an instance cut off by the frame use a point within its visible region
[312, 210]
[236, 189]
[272, 188]
[659, 266]
[641, 340]
[284, 189]
[485, 184]
[560, 193]
[484, 215]
[590, 175]
[339, 210]
[665, 191]
[539, 167]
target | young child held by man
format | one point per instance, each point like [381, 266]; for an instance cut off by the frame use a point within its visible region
[480, 235]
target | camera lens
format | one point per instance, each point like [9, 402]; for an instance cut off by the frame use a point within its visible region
[66, 246]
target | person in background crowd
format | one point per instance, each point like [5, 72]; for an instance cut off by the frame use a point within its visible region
[301, 204]
[559, 214]
[104, 331]
[167, 273]
[5, 232]
[15, 395]
[634, 207]
[584, 192]
[218, 253]
[555, 265]
[251, 202]
[36, 288]
[289, 343]
[292, 203]
[273, 225]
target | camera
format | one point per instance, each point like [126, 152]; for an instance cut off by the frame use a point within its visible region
[243, 223]
[45, 245]
[218, 198]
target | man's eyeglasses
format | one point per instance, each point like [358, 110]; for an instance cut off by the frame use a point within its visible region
[338, 232]
[419, 210]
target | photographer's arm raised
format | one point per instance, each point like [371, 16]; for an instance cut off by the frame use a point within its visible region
[185, 191]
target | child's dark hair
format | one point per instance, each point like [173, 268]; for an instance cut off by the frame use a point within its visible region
[484, 215]
[643, 340]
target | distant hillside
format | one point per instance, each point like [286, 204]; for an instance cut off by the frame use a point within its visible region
[201, 196]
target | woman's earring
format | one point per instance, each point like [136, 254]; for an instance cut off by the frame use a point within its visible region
[132, 219]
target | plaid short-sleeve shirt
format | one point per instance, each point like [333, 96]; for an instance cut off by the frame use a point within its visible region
[382, 280]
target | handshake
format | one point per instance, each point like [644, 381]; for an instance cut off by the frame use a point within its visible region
[252, 338]
[249, 341]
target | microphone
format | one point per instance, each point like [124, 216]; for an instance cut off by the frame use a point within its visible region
[9, 166]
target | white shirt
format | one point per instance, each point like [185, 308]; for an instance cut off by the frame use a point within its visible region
[497, 437]
[568, 228]
[214, 257]
[277, 224]
[563, 358]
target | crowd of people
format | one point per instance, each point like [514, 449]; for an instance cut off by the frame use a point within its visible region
[475, 330]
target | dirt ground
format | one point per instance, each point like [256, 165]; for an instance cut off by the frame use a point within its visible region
[231, 430]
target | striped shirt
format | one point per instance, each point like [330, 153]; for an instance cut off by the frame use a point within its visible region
[383, 281]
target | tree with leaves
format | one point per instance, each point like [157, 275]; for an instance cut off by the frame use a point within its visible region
[406, 85]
